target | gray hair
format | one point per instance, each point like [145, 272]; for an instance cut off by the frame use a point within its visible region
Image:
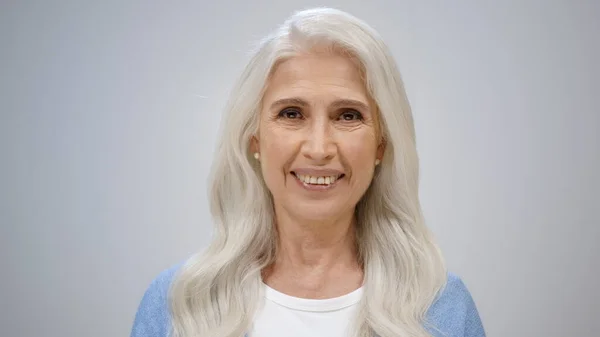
[217, 292]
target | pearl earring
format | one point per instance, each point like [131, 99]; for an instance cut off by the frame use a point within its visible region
[377, 161]
[256, 155]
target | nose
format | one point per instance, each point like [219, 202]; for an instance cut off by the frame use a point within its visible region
[318, 144]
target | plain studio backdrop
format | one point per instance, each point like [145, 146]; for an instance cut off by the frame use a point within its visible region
[110, 112]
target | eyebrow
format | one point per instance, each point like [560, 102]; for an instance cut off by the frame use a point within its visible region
[339, 103]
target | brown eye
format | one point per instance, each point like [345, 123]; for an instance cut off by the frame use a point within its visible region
[351, 115]
[290, 113]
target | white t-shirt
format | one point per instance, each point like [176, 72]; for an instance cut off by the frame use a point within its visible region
[284, 315]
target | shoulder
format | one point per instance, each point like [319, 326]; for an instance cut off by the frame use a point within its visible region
[152, 316]
[454, 312]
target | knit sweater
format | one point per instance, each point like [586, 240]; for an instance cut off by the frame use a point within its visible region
[453, 314]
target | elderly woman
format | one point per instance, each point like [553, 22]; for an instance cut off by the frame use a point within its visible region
[319, 230]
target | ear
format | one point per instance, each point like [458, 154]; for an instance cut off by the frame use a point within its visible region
[381, 149]
[254, 146]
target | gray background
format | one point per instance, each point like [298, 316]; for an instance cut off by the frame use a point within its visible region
[109, 112]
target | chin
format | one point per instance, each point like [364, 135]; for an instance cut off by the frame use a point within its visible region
[323, 216]
[317, 210]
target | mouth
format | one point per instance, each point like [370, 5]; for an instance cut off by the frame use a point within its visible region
[317, 182]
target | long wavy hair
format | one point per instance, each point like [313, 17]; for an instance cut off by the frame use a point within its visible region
[218, 291]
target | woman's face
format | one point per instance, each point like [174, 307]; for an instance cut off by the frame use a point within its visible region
[317, 137]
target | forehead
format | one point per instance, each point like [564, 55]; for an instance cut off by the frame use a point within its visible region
[317, 76]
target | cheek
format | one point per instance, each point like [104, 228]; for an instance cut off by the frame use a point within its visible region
[360, 153]
[359, 147]
[276, 148]
[275, 143]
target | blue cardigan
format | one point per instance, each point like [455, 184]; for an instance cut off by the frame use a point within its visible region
[453, 314]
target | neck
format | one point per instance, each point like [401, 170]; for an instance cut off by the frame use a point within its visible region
[309, 243]
[315, 258]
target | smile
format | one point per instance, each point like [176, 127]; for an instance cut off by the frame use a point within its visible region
[311, 182]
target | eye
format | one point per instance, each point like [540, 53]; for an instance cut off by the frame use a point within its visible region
[290, 113]
[350, 115]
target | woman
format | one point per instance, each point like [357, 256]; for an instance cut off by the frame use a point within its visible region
[315, 198]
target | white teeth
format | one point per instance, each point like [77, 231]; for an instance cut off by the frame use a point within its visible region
[327, 180]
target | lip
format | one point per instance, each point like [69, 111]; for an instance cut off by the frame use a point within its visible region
[317, 172]
[315, 187]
